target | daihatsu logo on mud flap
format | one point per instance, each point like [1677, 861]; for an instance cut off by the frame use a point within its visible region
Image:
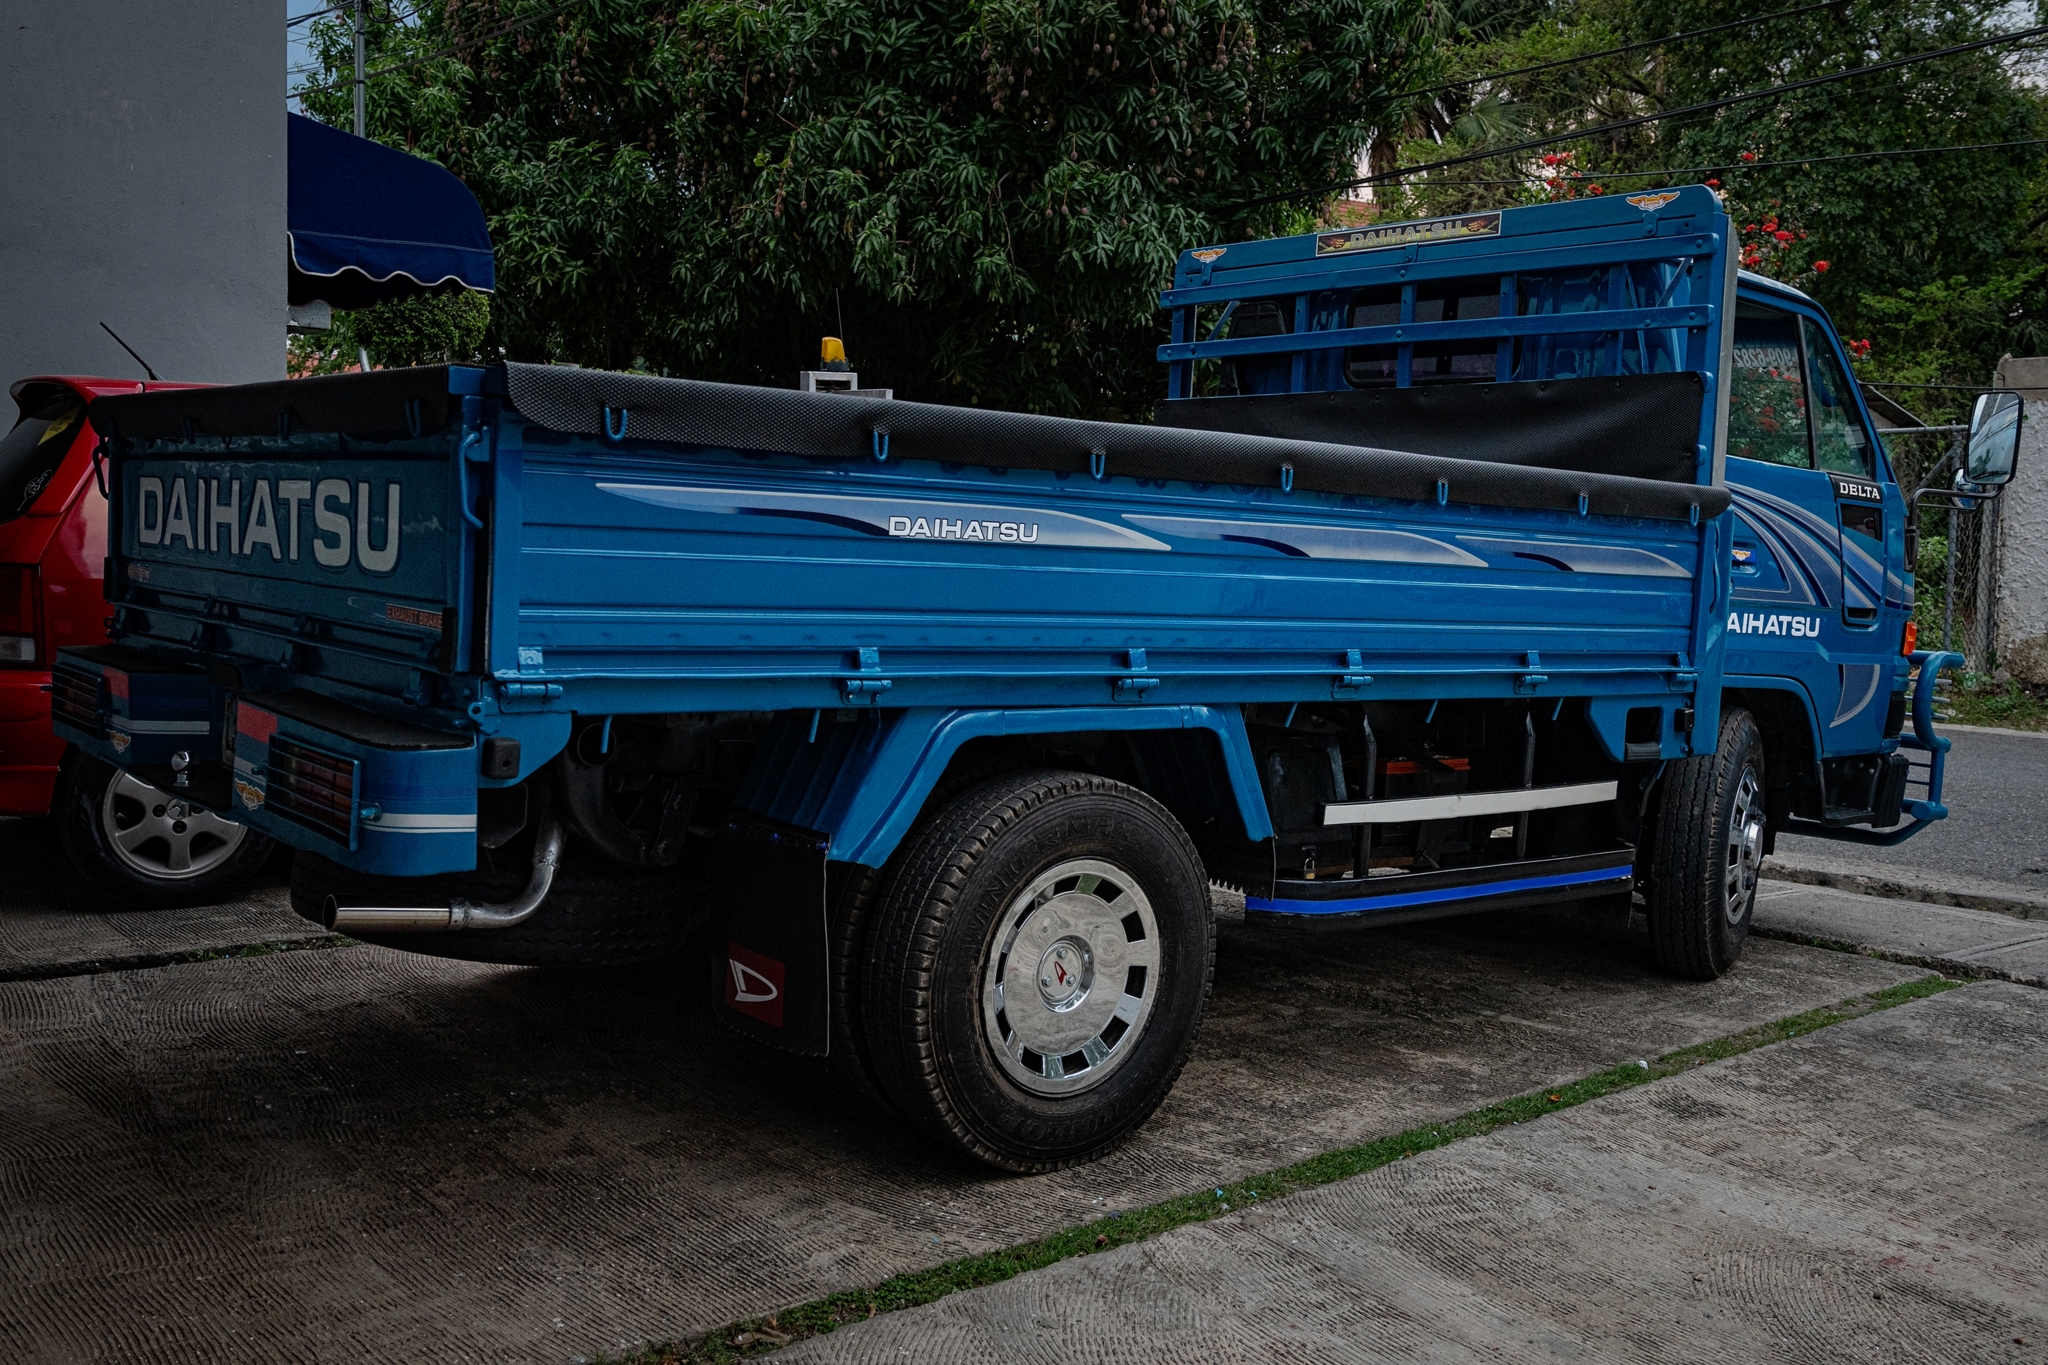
[238, 517]
[753, 984]
[1762, 623]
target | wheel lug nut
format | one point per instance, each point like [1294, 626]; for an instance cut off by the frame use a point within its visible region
[177, 827]
[159, 812]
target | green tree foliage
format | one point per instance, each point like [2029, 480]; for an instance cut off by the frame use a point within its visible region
[990, 192]
[445, 328]
[1870, 237]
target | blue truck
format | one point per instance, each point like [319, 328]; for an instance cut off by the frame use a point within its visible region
[1473, 563]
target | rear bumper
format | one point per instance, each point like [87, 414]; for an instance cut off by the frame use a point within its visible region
[373, 793]
[29, 752]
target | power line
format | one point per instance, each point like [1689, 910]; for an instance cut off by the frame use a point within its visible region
[344, 8]
[510, 26]
[1705, 107]
[1762, 165]
[315, 14]
[1616, 51]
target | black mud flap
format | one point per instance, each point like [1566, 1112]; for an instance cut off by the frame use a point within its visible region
[769, 890]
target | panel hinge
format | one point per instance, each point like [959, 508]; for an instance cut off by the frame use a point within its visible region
[1527, 683]
[867, 689]
[1132, 689]
[1352, 682]
[863, 691]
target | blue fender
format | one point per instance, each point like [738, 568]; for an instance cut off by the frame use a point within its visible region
[863, 784]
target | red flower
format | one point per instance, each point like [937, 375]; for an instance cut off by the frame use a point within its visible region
[1713, 184]
[1749, 156]
[1782, 236]
[1821, 268]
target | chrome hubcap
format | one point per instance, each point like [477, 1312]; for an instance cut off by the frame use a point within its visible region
[1071, 976]
[1745, 844]
[155, 834]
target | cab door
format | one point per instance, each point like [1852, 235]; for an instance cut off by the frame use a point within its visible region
[1870, 539]
[1793, 615]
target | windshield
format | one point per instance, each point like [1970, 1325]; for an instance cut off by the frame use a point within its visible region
[30, 454]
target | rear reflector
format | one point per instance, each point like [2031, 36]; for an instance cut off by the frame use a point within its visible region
[75, 696]
[309, 785]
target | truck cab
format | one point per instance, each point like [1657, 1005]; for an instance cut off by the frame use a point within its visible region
[1820, 586]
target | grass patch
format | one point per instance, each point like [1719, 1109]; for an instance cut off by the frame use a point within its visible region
[757, 1336]
[56, 971]
[2006, 706]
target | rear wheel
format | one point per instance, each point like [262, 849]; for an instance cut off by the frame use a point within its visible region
[1710, 829]
[149, 849]
[1038, 969]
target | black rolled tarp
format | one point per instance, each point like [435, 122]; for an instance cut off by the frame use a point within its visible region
[380, 402]
[837, 426]
[1644, 426]
[843, 428]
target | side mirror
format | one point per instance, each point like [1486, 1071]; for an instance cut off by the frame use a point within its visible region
[1994, 439]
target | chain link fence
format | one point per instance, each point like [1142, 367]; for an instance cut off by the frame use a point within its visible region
[1956, 572]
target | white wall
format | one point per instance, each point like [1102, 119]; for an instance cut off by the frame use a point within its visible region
[2022, 586]
[142, 183]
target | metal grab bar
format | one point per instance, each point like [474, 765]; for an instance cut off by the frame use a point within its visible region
[1931, 663]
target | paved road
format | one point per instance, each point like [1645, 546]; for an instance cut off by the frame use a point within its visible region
[1997, 829]
[367, 1155]
[1877, 1191]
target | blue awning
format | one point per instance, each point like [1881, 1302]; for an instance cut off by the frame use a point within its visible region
[368, 223]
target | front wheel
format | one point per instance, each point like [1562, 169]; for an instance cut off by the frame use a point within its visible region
[1038, 969]
[148, 848]
[1710, 831]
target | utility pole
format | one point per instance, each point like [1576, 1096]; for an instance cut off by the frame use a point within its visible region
[359, 70]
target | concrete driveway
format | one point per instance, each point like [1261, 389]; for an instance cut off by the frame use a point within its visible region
[360, 1154]
[1877, 1191]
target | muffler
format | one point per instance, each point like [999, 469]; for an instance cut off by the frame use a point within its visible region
[458, 913]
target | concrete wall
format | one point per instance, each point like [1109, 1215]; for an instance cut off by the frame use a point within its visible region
[142, 183]
[2022, 571]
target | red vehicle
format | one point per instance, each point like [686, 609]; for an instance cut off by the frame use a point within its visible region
[131, 840]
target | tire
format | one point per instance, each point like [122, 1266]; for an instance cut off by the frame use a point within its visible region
[594, 915]
[144, 847]
[990, 894]
[850, 918]
[1703, 871]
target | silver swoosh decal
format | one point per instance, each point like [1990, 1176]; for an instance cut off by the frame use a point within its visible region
[1578, 557]
[1315, 542]
[899, 518]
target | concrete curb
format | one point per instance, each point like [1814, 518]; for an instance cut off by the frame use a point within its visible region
[1947, 966]
[1910, 884]
[1945, 726]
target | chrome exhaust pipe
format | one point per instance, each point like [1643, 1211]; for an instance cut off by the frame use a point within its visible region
[458, 913]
